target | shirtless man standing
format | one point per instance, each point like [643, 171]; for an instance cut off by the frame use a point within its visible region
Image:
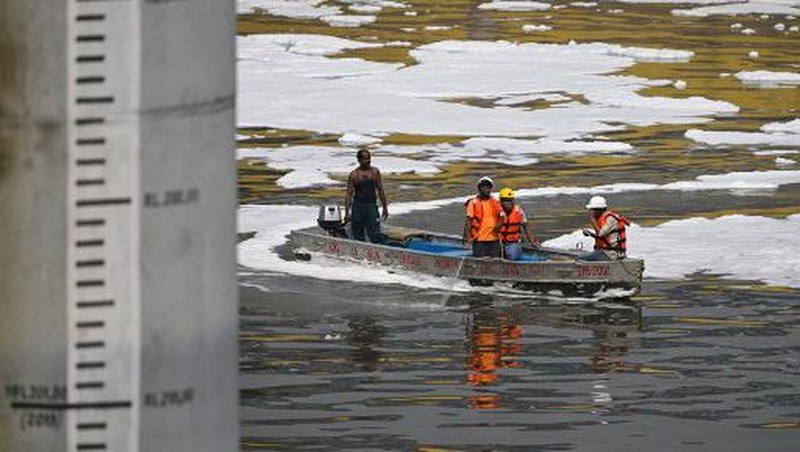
[364, 186]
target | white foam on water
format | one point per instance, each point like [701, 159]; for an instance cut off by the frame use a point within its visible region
[736, 246]
[735, 182]
[769, 79]
[310, 166]
[365, 9]
[285, 48]
[719, 138]
[740, 246]
[533, 28]
[319, 9]
[545, 147]
[685, 2]
[296, 9]
[398, 44]
[735, 8]
[344, 20]
[728, 7]
[776, 152]
[308, 91]
[355, 140]
[516, 6]
[773, 134]
[782, 127]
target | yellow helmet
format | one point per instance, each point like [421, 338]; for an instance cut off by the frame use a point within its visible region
[507, 193]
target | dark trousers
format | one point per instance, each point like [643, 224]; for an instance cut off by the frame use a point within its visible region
[486, 249]
[364, 219]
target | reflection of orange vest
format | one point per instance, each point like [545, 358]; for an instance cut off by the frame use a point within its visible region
[609, 358]
[512, 226]
[603, 243]
[493, 347]
[477, 219]
[484, 358]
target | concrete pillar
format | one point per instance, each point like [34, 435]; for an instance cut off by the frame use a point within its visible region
[117, 235]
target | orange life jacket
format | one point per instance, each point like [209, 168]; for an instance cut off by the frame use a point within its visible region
[603, 243]
[510, 231]
[475, 221]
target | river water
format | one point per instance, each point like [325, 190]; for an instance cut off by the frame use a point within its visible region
[693, 366]
[339, 356]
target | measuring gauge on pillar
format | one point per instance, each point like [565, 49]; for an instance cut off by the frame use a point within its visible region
[118, 310]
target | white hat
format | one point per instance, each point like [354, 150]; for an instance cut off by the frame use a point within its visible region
[484, 180]
[597, 202]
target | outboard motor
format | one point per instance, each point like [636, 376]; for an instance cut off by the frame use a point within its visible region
[331, 219]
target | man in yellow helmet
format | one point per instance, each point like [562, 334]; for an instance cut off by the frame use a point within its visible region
[514, 226]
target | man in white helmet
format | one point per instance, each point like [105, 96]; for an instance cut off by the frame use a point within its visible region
[608, 230]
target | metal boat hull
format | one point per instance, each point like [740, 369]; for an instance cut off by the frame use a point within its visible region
[557, 271]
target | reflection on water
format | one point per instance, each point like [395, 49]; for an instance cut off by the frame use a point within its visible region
[493, 343]
[610, 356]
[373, 375]
[480, 24]
[494, 339]
[364, 339]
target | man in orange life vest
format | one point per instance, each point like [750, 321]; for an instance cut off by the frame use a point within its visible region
[514, 226]
[608, 232]
[484, 219]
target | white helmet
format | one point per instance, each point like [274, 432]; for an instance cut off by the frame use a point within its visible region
[597, 202]
[485, 180]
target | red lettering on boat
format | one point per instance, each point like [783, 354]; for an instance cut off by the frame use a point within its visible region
[332, 247]
[410, 260]
[533, 270]
[592, 271]
[510, 270]
[373, 255]
[444, 263]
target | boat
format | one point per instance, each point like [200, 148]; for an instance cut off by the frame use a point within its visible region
[540, 270]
